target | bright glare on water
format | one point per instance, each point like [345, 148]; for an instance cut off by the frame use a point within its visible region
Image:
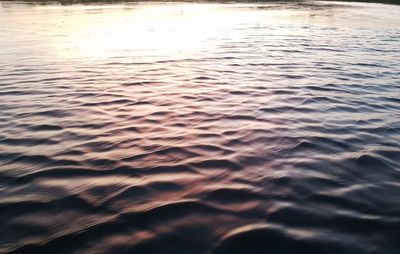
[204, 128]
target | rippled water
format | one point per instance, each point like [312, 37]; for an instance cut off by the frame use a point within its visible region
[200, 128]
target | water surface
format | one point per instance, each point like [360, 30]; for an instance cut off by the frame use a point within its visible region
[200, 128]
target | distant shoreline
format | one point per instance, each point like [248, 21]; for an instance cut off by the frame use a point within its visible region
[394, 2]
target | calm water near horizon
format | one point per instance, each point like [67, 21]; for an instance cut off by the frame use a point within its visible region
[200, 128]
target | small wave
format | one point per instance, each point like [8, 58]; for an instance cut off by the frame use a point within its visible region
[274, 239]
[267, 128]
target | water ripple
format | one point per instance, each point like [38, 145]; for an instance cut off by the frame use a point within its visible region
[199, 128]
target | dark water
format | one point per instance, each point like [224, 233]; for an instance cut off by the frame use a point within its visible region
[200, 128]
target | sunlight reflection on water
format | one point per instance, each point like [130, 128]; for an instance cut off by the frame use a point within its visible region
[199, 128]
